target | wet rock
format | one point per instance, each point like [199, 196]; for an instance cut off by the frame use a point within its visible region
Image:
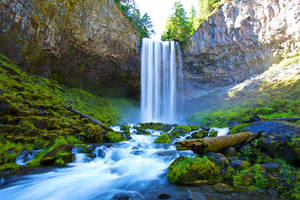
[41, 111]
[2, 181]
[62, 153]
[284, 147]
[2, 106]
[127, 196]
[167, 153]
[231, 151]
[238, 164]
[233, 123]
[218, 158]
[229, 173]
[116, 156]
[273, 128]
[89, 148]
[271, 167]
[101, 153]
[223, 188]
[137, 152]
[164, 196]
[255, 118]
[201, 134]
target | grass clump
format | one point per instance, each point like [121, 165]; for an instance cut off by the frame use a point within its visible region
[163, 138]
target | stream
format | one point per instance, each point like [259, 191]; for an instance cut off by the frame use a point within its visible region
[135, 169]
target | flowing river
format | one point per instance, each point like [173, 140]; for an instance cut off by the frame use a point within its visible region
[135, 169]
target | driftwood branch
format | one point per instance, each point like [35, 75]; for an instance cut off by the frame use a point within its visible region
[213, 144]
[291, 119]
[88, 117]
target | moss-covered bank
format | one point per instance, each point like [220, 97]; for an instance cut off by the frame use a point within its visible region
[33, 118]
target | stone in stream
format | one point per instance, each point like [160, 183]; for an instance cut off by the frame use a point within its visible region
[164, 196]
[127, 196]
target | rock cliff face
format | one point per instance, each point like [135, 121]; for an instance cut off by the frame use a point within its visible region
[82, 43]
[242, 38]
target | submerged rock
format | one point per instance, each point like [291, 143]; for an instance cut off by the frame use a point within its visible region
[127, 196]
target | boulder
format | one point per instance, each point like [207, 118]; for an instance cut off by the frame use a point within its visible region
[193, 171]
[273, 128]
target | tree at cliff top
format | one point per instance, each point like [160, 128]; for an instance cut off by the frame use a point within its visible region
[142, 23]
[179, 27]
[206, 7]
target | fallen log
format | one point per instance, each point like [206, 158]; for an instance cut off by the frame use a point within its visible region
[213, 144]
[88, 117]
[291, 119]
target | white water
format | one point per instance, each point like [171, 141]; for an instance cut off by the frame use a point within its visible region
[137, 167]
[25, 157]
[161, 82]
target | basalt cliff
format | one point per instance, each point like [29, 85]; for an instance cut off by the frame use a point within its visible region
[242, 38]
[86, 44]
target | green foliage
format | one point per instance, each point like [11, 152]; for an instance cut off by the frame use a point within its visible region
[254, 176]
[142, 23]
[179, 27]
[213, 134]
[181, 130]
[187, 170]
[163, 138]
[155, 126]
[33, 118]
[113, 136]
[272, 100]
[206, 8]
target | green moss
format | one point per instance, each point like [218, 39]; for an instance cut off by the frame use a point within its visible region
[242, 180]
[163, 138]
[213, 134]
[125, 129]
[229, 174]
[10, 167]
[237, 129]
[113, 136]
[155, 126]
[201, 134]
[277, 99]
[180, 130]
[33, 116]
[190, 171]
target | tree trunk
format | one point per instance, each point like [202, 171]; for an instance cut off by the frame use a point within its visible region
[88, 117]
[213, 144]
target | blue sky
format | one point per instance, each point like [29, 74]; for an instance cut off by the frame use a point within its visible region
[159, 10]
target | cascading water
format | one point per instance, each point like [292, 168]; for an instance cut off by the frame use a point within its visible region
[161, 82]
[133, 170]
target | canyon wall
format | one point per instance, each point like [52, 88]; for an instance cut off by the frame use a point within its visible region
[241, 39]
[82, 43]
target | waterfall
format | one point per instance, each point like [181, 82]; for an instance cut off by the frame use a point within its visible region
[161, 82]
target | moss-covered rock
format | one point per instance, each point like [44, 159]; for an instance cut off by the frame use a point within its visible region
[213, 134]
[201, 134]
[10, 167]
[163, 138]
[155, 126]
[193, 171]
[32, 116]
[112, 136]
[181, 130]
